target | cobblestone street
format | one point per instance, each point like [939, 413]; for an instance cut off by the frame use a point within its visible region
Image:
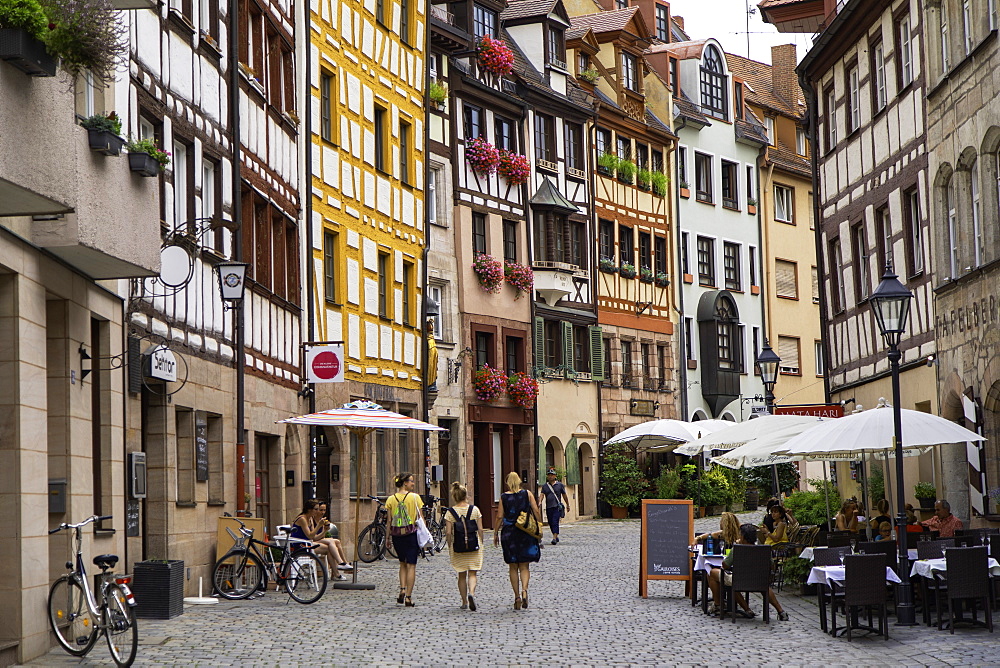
[584, 610]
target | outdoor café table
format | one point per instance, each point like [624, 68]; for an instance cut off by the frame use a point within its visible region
[807, 553]
[926, 568]
[703, 562]
[825, 575]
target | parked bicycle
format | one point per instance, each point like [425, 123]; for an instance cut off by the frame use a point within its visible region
[244, 569]
[78, 614]
[371, 540]
[435, 519]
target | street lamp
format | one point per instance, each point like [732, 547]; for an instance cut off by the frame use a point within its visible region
[232, 282]
[891, 307]
[768, 362]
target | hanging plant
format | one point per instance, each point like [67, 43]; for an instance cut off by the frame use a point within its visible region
[514, 167]
[489, 383]
[87, 35]
[495, 56]
[490, 272]
[522, 389]
[520, 277]
[482, 156]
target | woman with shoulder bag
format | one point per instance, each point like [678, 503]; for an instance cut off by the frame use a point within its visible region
[404, 509]
[518, 529]
[464, 533]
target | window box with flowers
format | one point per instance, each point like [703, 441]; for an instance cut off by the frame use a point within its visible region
[145, 158]
[495, 56]
[626, 171]
[522, 389]
[103, 133]
[514, 167]
[626, 270]
[482, 156]
[520, 277]
[685, 189]
[661, 279]
[646, 275]
[489, 383]
[490, 273]
[438, 93]
[590, 75]
[23, 26]
[752, 206]
[607, 265]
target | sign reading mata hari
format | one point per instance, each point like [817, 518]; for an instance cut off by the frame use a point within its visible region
[325, 364]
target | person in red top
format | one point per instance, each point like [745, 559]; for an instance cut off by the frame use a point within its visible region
[943, 521]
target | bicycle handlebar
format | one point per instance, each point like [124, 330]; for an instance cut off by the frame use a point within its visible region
[92, 518]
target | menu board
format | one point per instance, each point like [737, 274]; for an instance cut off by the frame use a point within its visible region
[132, 517]
[201, 447]
[667, 530]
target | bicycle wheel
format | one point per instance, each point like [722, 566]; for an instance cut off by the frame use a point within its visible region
[74, 627]
[388, 547]
[371, 543]
[437, 533]
[305, 577]
[237, 575]
[120, 628]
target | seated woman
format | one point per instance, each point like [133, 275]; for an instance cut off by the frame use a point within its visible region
[307, 526]
[779, 532]
[847, 518]
[729, 530]
[884, 532]
[882, 510]
[339, 552]
[748, 536]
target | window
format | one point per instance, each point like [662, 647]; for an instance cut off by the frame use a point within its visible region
[514, 349]
[753, 266]
[484, 349]
[783, 204]
[183, 211]
[210, 178]
[209, 18]
[662, 23]
[624, 148]
[800, 142]
[626, 363]
[606, 347]
[473, 121]
[706, 261]
[661, 367]
[437, 293]
[582, 62]
[831, 118]
[750, 189]
[685, 259]
[815, 286]
[738, 106]
[380, 139]
[383, 285]
[951, 213]
[330, 266]
[544, 148]
[788, 351]
[404, 20]
[727, 344]
[484, 22]
[818, 357]
[689, 338]
[713, 84]
[675, 78]
[574, 145]
[904, 44]
[581, 348]
[478, 233]
[510, 240]
[883, 237]
[862, 268]
[630, 72]
[660, 255]
[657, 163]
[504, 134]
[730, 185]
[626, 245]
[682, 166]
[646, 352]
[731, 266]
[967, 25]
[404, 152]
[645, 250]
[991, 9]
[606, 239]
[557, 47]
[408, 318]
[756, 350]
[741, 361]
[553, 344]
[327, 90]
[914, 234]
[837, 297]
[433, 175]
[380, 11]
[603, 139]
[769, 128]
[977, 226]
[944, 39]
[786, 282]
[877, 78]
[703, 177]
[621, 4]
[853, 99]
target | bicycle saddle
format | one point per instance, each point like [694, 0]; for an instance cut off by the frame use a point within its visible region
[104, 561]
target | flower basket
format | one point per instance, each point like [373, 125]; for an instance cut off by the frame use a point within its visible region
[489, 383]
[482, 156]
[661, 279]
[495, 56]
[520, 277]
[514, 167]
[627, 270]
[522, 389]
[28, 54]
[608, 266]
[646, 275]
[490, 272]
[158, 586]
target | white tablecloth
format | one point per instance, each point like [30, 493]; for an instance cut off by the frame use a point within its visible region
[807, 553]
[926, 567]
[827, 574]
[708, 562]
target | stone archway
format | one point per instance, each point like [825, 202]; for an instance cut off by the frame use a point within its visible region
[587, 493]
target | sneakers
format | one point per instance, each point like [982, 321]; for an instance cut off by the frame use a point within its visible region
[783, 616]
[340, 577]
[345, 566]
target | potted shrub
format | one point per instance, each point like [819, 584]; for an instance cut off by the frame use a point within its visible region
[752, 206]
[622, 483]
[926, 494]
[626, 171]
[519, 276]
[659, 182]
[607, 163]
[489, 383]
[514, 167]
[627, 270]
[437, 93]
[490, 273]
[495, 56]
[87, 35]
[104, 133]
[646, 275]
[145, 158]
[522, 389]
[590, 75]
[661, 279]
[482, 156]
[23, 26]
[685, 191]
[607, 265]
[668, 484]
[795, 571]
[643, 178]
[158, 585]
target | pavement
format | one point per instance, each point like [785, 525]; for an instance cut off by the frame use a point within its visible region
[584, 611]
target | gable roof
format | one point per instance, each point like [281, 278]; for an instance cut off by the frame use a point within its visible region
[608, 21]
[529, 9]
[760, 86]
[548, 196]
[530, 77]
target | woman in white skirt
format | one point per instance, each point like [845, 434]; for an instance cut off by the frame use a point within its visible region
[465, 543]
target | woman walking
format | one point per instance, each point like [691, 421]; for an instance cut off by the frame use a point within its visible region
[519, 548]
[464, 532]
[404, 508]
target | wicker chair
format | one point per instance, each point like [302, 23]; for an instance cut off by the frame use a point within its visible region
[751, 573]
[886, 547]
[967, 579]
[933, 549]
[863, 587]
[829, 556]
[840, 538]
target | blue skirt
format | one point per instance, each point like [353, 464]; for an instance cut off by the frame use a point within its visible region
[406, 547]
[518, 547]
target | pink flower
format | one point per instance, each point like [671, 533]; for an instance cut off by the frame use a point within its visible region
[520, 277]
[522, 389]
[482, 156]
[495, 56]
[514, 167]
[489, 383]
[490, 272]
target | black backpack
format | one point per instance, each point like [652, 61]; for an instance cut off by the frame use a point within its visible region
[465, 532]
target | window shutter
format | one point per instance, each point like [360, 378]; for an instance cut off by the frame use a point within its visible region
[784, 278]
[788, 351]
[572, 463]
[539, 342]
[596, 353]
[567, 342]
[540, 447]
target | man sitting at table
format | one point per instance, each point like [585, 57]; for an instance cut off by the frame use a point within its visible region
[943, 521]
[748, 536]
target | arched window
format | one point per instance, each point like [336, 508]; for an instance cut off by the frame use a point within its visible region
[713, 84]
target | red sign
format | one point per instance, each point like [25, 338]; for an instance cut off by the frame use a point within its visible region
[822, 410]
[326, 365]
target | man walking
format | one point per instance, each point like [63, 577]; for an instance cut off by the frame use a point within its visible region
[554, 509]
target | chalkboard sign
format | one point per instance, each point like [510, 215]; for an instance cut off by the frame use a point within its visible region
[132, 517]
[667, 531]
[201, 447]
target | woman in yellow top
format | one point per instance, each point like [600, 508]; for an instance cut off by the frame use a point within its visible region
[466, 564]
[404, 508]
[779, 534]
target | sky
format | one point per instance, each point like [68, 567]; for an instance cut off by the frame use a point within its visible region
[726, 21]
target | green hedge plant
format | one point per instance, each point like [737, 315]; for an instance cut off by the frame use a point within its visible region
[28, 15]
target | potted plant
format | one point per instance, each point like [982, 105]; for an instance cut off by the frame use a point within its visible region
[490, 273]
[646, 275]
[795, 571]
[522, 389]
[514, 167]
[158, 585]
[661, 279]
[145, 158]
[607, 265]
[104, 133]
[495, 56]
[23, 26]
[685, 191]
[607, 163]
[87, 35]
[590, 75]
[926, 494]
[489, 383]
[643, 178]
[482, 156]
[622, 483]
[519, 276]
[752, 206]
[668, 483]
[627, 270]
[659, 181]
[626, 171]
[438, 93]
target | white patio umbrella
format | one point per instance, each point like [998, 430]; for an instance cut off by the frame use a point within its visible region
[360, 418]
[741, 433]
[663, 434]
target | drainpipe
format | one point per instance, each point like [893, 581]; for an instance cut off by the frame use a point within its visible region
[305, 191]
[237, 187]
[424, 271]
[682, 343]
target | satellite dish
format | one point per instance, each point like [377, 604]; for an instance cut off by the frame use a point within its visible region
[175, 266]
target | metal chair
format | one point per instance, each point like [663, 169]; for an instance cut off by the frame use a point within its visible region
[967, 579]
[751, 572]
[863, 588]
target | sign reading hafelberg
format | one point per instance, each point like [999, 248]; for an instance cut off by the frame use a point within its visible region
[325, 364]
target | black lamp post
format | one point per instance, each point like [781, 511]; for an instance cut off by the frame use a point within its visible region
[768, 362]
[891, 307]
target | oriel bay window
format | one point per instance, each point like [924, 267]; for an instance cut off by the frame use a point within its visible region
[558, 239]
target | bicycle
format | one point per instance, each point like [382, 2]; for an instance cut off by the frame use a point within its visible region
[371, 540]
[434, 525]
[78, 615]
[243, 570]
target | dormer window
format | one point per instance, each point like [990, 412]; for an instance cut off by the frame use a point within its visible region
[713, 84]
[484, 22]
[630, 72]
[557, 47]
[621, 4]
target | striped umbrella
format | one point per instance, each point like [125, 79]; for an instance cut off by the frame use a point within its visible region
[361, 418]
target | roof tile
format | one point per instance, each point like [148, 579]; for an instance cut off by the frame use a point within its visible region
[607, 21]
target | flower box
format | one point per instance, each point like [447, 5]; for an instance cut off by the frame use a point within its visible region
[626, 270]
[489, 383]
[685, 192]
[646, 275]
[495, 56]
[105, 142]
[482, 156]
[522, 390]
[26, 53]
[662, 279]
[159, 588]
[143, 164]
[689, 278]
[752, 209]
[490, 272]
[607, 266]
[755, 289]
[520, 277]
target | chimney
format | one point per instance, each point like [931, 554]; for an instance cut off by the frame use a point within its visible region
[784, 81]
[679, 20]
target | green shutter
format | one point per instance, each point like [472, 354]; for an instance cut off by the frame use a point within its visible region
[541, 460]
[539, 342]
[567, 342]
[572, 463]
[596, 352]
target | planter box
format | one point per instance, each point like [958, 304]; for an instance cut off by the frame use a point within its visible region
[105, 142]
[26, 53]
[619, 512]
[752, 209]
[926, 502]
[685, 192]
[143, 164]
[716, 510]
[689, 278]
[755, 289]
[159, 589]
